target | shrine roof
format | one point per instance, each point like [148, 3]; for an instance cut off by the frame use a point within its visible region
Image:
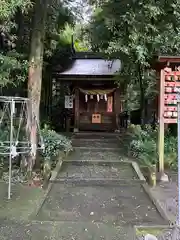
[93, 67]
[90, 64]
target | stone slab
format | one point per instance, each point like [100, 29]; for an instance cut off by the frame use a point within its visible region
[95, 154]
[61, 231]
[97, 170]
[118, 205]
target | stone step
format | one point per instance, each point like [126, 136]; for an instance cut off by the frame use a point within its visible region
[97, 170]
[56, 230]
[96, 154]
[98, 147]
[94, 182]
[95, 144]
[99, 140]
[96, 135]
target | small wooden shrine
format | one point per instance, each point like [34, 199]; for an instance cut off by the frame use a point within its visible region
[95, 100]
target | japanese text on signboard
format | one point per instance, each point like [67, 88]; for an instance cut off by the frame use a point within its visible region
[171, 84]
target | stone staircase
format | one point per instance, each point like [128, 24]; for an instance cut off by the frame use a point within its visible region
[97, 189]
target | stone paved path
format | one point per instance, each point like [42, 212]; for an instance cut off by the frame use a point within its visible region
[84, 191]
[114, 205]
[95, 196]
[53, 230]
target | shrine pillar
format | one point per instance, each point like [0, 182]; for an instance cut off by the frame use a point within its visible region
[76, 111]
[117, 106]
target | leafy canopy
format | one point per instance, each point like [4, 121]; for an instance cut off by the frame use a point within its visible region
[13, 66]
[15, 30]
[135, 31]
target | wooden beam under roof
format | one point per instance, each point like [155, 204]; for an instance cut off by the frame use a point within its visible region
[170, 59]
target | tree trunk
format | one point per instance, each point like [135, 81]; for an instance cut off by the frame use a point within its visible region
[35, 75]
[142, 96]
[20, 31]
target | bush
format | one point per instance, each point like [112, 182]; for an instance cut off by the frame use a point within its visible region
[54, 143]
[143, 145]
[171, 151]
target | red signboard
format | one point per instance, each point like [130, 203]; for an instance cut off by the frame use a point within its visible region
[110, 104]
[169, 86]
[171, 81]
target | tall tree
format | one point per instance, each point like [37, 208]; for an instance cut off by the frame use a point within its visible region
[50, 17]
[35, 73]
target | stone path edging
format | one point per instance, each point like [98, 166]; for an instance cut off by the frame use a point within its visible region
[156, 203]
[146, 188]
[137, 170]
[53, 177]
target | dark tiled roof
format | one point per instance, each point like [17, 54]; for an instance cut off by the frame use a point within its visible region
[93, 67]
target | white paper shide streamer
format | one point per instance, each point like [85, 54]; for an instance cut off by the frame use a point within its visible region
[86, 97]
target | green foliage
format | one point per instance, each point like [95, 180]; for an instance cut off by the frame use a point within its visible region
[81, 42]
[13, 69]
[54, 143]
[13, 65]
[171, 151]
[136, 31]
[143, 144]
[66, 35]
[4, 136]
[8, 8]
[15, 31]
[58, 27]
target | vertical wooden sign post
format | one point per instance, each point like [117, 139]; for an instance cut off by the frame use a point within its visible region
[161, 126]
[178, 110]
[169, 87]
